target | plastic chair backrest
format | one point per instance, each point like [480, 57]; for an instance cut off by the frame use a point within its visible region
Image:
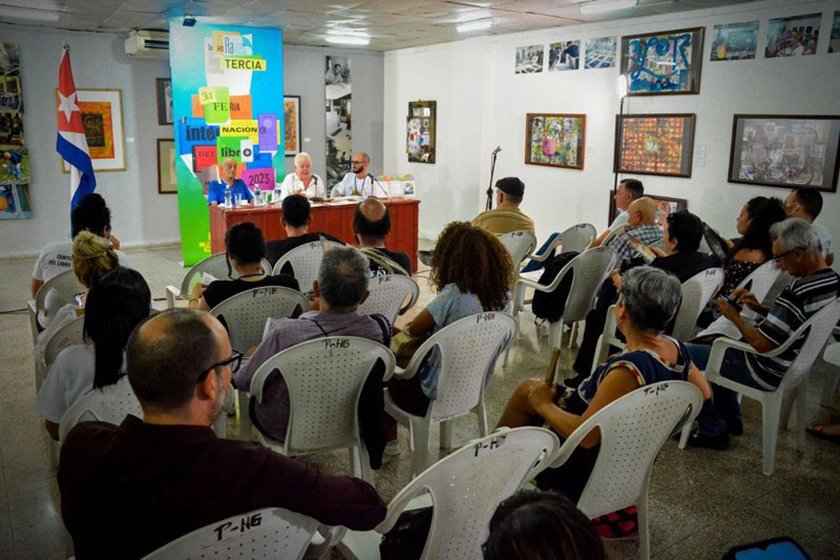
[263, 533]
[216, 266]
[325, 377]
[70, 334]
[578, 238]
[468, 348]
[819, 326]
[762, 279]
[468, 485]
[519, 244]
[658, 244]
[110, 404]
[589, 270]
[245, 313]
[65, 285]
[696, 293]
[388, 296]
[633, 430]
[305, 262]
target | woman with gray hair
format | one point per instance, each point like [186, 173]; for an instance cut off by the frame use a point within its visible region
[303, 181]
[648, 300]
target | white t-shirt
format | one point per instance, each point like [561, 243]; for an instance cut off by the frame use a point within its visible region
[352, 185]
[69, 379]
[825, 239]
[293, 185]
[619, 220]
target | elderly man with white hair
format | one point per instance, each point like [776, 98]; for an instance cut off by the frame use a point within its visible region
[303, 181]
[216, 193]
[796, 250]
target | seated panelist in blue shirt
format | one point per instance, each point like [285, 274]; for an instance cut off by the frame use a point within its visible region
[216, 194]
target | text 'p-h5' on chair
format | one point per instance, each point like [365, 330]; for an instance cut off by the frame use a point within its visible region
[468, 350]
[305, 262]
[816, 331]
[269, 533]
[633, 430]
[325, 377]
[214, 265]
[390, 296]
[465, 488]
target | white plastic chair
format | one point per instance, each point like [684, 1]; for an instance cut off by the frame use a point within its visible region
[245, 313]
[64, 285]
[390, 295]
[831, 355]
[214, 265]
[110, 404]
[465, 489]
[696, 293]
[633, 430]
[263, 533]
[818, 329]
[576, 238]
[325, 378]
[468, 349]
[70, 334]
[305, 262]
[519, 244]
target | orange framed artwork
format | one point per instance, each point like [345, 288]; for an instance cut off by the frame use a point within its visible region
[102, 118]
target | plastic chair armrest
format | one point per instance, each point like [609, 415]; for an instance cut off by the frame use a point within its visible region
[535, 285]
[719, 348]
[172, 293]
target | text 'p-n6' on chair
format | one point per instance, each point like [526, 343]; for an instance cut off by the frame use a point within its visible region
[214, 265]
[305, 262]
[633, 430]
[63, 287]
[465, 488]
[815, 331]
[265, 533]
[468, 350]
[110, 404]
[390, 296]
[325, 378]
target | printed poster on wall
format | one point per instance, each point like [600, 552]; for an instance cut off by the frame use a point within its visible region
[14, 158]
[224, 83]
[338, 97]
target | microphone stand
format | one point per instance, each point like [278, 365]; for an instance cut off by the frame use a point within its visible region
[374, 181]
[489, 204]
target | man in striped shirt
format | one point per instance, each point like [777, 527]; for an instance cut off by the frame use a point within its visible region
[797, 251]
[641, 229]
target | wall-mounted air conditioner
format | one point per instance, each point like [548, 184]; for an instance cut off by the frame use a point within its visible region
[147, 44]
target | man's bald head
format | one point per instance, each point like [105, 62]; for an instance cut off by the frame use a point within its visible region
[642, 212]
[371, 221]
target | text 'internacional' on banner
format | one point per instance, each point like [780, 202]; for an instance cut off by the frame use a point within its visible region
[227, 85]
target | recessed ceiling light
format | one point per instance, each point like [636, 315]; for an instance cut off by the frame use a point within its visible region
[348, 39]
[28, 14]
[598, 7]
[475, 25]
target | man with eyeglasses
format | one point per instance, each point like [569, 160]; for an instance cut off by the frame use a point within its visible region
[127, 490]
[358, 182]
[797, 251]
[807, 204]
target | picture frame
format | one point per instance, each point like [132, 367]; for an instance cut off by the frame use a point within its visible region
[654, 144]
[165, 112]
[103, 121]
[291, 125]
[663, 63]
[555, 140]
[785, 151]
[421, 131]
[665, 205]
[167, 175]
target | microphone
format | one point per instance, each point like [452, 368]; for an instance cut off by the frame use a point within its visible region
[497, 150]
[374, 181]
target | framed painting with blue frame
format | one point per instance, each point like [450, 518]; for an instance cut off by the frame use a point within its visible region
[663, 63]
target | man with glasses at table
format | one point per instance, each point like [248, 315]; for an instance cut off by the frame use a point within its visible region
[797, 251]
[127, 490]
[358, 182]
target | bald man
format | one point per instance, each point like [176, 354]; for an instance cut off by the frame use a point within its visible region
[216, 194]
[371, 223]
[641, 228]
[358, 182]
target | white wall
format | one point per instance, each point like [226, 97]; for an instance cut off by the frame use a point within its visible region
[482, 104]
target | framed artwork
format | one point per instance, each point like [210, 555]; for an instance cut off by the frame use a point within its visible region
[793, 36]
[529, 60]
[564, 55]
[834, 40]
[665, 205]
[102, 118]
[163, 87]
[421, 125]
[600, 53]
[786, 151]
[667, 62]
[735, 41]
[167, 176]
[291, 125]
[654, 144]
[555, 140]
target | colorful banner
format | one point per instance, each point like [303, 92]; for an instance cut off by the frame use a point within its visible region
[14, 157]
[225, 84]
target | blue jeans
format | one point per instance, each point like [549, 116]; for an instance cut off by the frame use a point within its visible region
[723, 406]
[536, 265]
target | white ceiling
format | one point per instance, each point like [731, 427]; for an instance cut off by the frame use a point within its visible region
[391, 24]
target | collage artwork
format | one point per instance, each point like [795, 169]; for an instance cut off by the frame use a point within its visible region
[14, 158]
[655, 144]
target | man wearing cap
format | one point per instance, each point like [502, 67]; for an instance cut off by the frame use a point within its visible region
[506, 217]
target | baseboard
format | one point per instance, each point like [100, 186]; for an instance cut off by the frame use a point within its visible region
[10, 256]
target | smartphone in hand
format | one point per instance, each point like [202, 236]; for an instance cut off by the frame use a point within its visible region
[733, 301]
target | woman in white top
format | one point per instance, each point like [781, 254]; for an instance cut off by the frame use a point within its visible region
[114, 306]
[303, 181]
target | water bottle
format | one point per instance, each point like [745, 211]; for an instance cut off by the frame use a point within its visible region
[228, 197]
[257, 199]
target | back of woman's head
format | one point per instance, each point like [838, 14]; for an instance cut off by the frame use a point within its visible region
[763, 213]
[534, 525]
[245, 243]
[474, 260]
[92, 258]
[115, 305]
[652, 297]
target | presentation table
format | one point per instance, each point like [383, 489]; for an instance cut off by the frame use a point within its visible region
[335, 218]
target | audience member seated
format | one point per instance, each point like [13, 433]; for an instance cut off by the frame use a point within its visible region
[342, 285]
[90, 214]
[506, 217]
[470, 271]
[648, 300]
[628, 190]
[641, 228]
[371, 223]
[295, 219]
[114, 306]
[750, 251]
[797, 251]
[534, 525]
[245, 248]
[303, 181]
[134, 487]
[683, 232]
[807, 204]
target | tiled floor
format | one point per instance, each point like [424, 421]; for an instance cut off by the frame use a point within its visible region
[702, 502]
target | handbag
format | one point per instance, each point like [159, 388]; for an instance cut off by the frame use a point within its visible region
[404, 345]
[408, 537]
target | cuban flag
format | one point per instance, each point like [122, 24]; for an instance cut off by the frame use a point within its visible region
[71, 143]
